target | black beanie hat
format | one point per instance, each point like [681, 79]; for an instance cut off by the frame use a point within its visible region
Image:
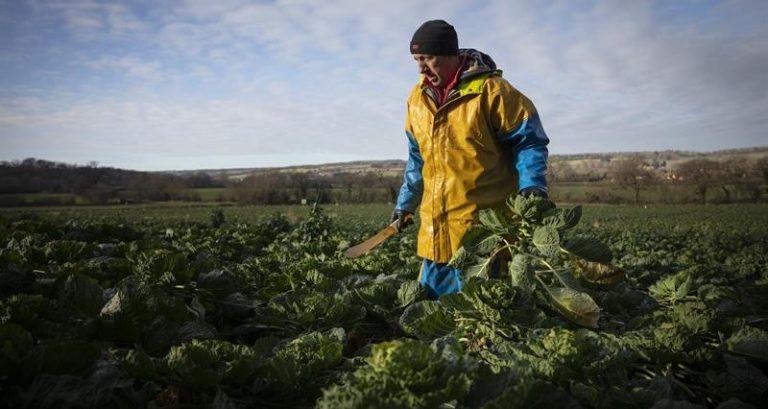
[435, 37]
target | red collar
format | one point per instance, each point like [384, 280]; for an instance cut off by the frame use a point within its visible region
[443, 92]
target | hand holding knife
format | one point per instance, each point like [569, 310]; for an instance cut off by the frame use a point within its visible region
[400, 220]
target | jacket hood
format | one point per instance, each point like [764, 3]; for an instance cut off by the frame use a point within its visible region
[476, 63]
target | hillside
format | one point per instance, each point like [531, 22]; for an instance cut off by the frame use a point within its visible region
[388, 167]
[739, 175]
[583, 164]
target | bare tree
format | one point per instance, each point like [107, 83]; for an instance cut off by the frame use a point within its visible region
[730, 176]
[348, 181]
[302, 182]
[391, 186]
[561, 171]
[761, 166]
[702, 174]
[633, 173]
[756, 177]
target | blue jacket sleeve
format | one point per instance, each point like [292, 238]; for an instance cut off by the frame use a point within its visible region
[529, 142]
[413, 183]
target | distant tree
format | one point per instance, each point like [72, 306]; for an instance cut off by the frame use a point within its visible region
[761, 167]
[99, 194]
[756, 178]
[561, 171]
[302, 182]
[391, 186]
[263, 188]
[323, 189]
[730, 175]
[702, 174]
[348, 181]
[202, 180]
[633, 173]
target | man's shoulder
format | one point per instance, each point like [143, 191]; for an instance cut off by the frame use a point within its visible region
[416, 91]
[416, 88]
[495, 83]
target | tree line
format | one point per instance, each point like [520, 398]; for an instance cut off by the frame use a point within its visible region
[107, 185]
[743, 181]
[275, 187]
[97, 185]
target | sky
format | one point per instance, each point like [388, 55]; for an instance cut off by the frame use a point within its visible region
[201, 84]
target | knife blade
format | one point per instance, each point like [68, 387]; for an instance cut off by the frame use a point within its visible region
[372, 242]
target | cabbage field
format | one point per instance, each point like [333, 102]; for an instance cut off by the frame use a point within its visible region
[601, 307]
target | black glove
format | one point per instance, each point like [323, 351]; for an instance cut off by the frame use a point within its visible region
[533, 191]
[404, 218]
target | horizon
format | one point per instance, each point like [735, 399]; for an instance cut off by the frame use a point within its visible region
[750, 149]
[195, 85]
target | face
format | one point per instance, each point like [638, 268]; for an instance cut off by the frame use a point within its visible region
[437, 68]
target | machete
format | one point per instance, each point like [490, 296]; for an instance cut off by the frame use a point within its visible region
[374, 240]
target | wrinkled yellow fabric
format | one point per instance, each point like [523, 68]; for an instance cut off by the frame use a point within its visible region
[465, 168]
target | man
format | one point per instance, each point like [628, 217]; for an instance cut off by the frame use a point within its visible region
[473, 140]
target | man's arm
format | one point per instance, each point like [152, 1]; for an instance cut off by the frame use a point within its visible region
[413, 183]
[518, 128]
[529, 144]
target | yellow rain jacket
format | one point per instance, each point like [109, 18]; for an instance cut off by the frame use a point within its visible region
[484, 143]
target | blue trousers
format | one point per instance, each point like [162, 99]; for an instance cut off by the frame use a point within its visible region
[440, 278]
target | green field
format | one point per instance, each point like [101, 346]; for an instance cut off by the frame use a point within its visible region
[562, 192]
[178, 212]
[209, 194]
[242, 306]
[750, 216]
[658, 193]
[31, 199]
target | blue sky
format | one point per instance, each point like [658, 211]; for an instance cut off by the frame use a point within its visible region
[193, 84]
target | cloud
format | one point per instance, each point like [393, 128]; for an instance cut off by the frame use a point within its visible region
[617, 76]
[237, 78]
[129, 65]
[222, 127]
[87, 20]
